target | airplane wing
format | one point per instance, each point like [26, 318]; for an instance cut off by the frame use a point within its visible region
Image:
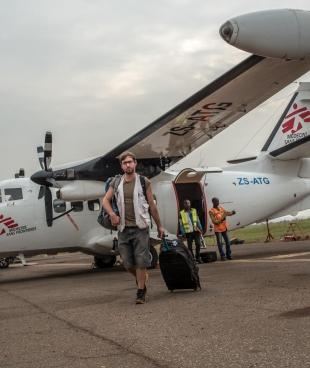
[196, 120]
[212, 109]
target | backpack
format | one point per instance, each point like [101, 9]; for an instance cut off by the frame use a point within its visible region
[104, 218]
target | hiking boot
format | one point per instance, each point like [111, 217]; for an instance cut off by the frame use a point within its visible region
[141, 296]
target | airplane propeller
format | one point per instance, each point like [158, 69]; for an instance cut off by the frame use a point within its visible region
[45, 158]
[46, 179]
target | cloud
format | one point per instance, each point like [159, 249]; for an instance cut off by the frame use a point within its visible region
[95, 71]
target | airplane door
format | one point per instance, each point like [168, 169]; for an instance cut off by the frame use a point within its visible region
[188, 185]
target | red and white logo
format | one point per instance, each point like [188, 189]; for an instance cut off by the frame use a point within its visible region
[6, 223]
[293, 122]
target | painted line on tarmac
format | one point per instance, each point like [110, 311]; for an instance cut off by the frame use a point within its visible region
[291, 255]
[266, 260]
[63, 264]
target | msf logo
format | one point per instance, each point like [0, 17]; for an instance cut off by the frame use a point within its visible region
[293, 122]
[6, 223]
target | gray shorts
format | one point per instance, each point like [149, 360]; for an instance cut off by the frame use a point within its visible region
[134, 247]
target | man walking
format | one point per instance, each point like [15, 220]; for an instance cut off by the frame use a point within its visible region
[218, 216]
[191, 228]
[134, 205]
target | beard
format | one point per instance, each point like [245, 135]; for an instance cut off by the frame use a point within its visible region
[129, 170]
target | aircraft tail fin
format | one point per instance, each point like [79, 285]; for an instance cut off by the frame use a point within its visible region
[290, 138]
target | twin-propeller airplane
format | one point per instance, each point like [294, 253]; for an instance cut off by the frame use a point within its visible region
[274, 183]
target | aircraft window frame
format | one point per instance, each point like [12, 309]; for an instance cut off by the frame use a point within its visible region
[59, 206]
[92, 205]
[15, 195]
[77, 206]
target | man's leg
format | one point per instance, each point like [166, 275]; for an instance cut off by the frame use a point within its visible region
[227, 242]
[198, 245]
[219, 245]
[141, 277]
[189, 239]
[126, 251]
[142, 258]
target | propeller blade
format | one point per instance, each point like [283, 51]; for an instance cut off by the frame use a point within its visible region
[47, 150]
[48, 206]
[40, 152]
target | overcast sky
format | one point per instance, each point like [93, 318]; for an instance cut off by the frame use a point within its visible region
[94, 72]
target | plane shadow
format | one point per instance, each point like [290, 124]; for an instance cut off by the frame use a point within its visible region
[56, 274]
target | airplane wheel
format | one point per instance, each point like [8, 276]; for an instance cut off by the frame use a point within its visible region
[105, 261]
[154, 255]
[4, 262]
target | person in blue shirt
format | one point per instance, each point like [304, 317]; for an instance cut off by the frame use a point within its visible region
[190, 227]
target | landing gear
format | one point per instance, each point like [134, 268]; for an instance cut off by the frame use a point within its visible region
[104, 261]
[4, 262]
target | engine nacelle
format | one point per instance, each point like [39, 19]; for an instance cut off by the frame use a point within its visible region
[81, 190]
[281, 33]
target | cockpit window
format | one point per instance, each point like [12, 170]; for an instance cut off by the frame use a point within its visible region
[13, 194]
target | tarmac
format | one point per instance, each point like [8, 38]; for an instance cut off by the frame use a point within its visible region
[253, 311]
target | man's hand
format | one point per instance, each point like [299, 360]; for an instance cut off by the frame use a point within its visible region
[161, 232]
[114, 219]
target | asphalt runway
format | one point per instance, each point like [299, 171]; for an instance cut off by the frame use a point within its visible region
[253, 311]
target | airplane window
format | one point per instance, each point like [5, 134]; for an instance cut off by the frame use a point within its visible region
[59, 206]
[13, 194]
[77, 206]
[0, 196]
[94, 205]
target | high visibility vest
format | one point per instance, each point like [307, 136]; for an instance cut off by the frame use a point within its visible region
[219, 213]
[184, 220]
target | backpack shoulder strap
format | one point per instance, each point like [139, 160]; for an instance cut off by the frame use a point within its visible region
[117, 181]
[143, 185]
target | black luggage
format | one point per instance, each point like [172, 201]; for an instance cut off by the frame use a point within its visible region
[178, 266]
[208, 256]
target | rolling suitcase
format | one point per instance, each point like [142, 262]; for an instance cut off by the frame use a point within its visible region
[177, 266]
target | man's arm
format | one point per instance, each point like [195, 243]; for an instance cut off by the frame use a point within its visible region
[154, 211]
[106, 204]
[182, 230]
[199, 224]
[229, 213]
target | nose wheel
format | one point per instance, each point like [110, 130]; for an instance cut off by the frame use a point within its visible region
[4, 262]
[104, 261]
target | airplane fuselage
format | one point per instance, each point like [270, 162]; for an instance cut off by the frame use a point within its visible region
[254, 195]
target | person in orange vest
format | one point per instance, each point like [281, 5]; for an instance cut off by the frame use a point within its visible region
[190, 227]
[218, 216]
